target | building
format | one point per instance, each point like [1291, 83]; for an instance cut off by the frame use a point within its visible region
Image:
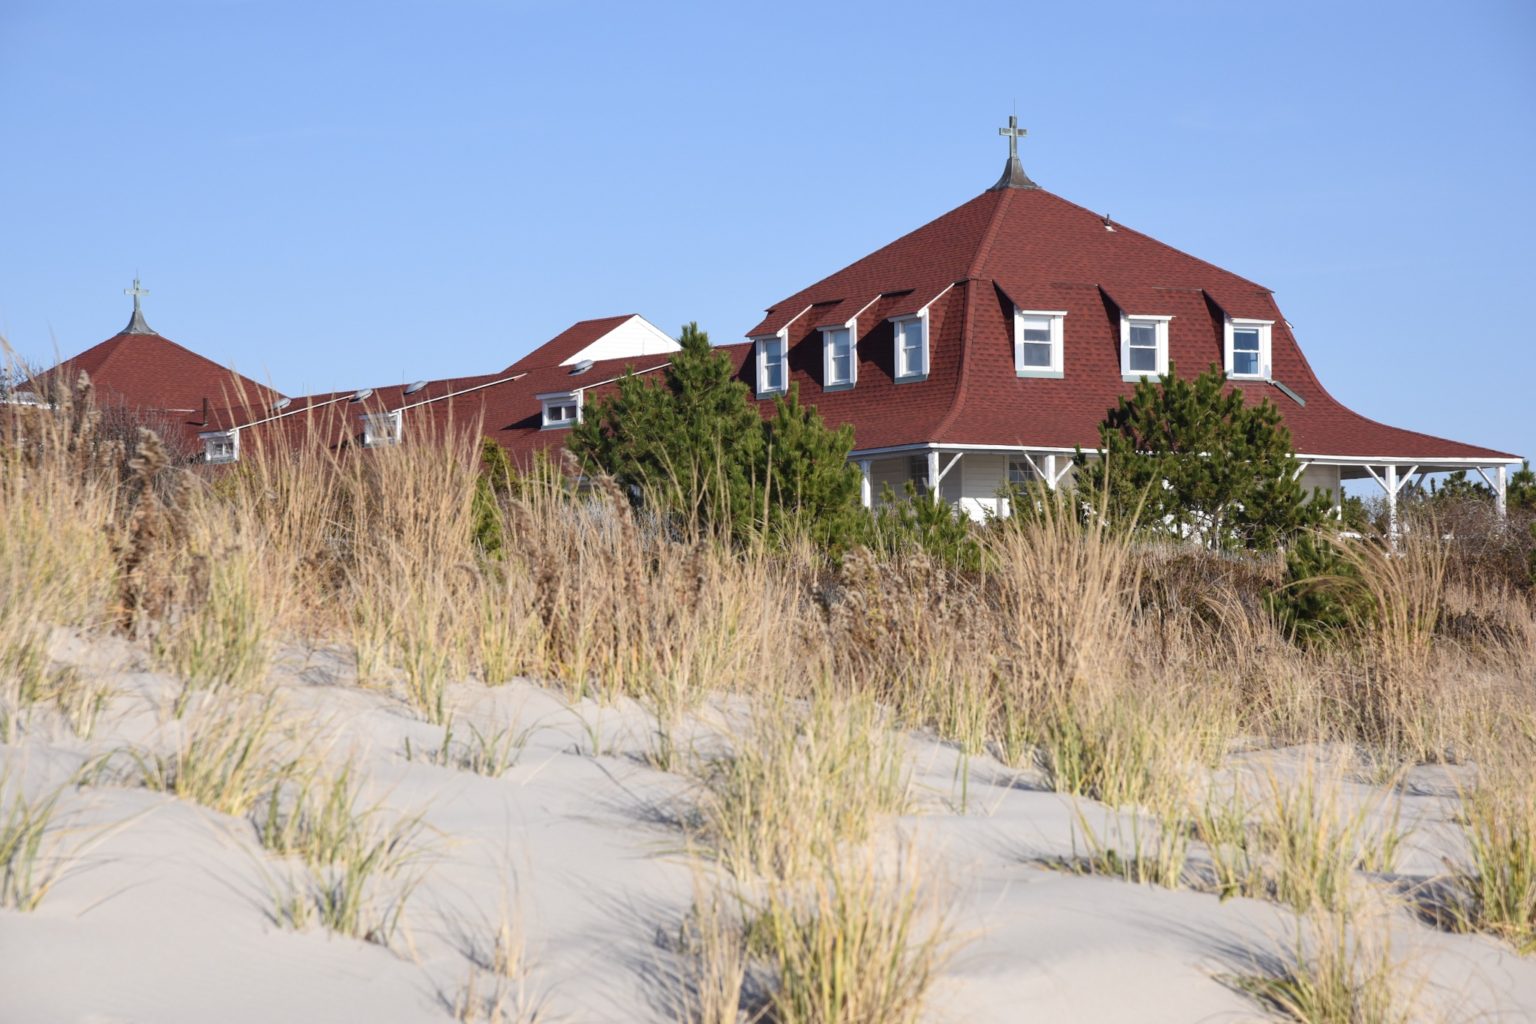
[154, 381]
[980, 350]
[985, 347]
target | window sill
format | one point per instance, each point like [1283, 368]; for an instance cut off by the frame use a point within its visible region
[846, 385]
[557, 426]
[912, 378]
[1262, 378]
[763, 396]
[1039, 374]
[1136, 378]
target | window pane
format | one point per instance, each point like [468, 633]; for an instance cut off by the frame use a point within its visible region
[1037, 328]
[1247, 341]
[841, 365]
[1144, 334]
[1020, 472]
[1245, 363]
[1037, 355]
[1144, 360]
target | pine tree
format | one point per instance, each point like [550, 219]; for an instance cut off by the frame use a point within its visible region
[692, 442]
[688, 440]
[1192, 459]
[810, 480]
[1520, 489]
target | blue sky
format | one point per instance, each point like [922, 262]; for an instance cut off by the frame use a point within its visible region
[331, 195]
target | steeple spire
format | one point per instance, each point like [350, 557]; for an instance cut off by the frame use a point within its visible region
[136, 324]
[1013, 171]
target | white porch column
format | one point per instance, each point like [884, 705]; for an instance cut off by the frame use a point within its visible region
[1391, 486]
[1501, 492]
[866, 488]
[933, 474]
[1050, 472]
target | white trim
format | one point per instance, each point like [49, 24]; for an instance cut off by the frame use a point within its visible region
[906, 372]
[391, 419]
[1160, 340]
[1056, 322]
[826, 357]
[1264, 327]
[561, 400]
[782, 340]
[211, 437]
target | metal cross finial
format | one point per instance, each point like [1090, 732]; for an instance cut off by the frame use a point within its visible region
[136, 324]
[136, 291]
[1013, 171]
[1014, 133]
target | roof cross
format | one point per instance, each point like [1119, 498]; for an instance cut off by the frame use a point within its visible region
[1013, 171]
[1013, 131]
[136, 324]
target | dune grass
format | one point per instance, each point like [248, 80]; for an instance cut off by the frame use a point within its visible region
[797, 784]
[28, 865]
[1497, 883]
[225, 754]
[853, 945]
[1340, 970]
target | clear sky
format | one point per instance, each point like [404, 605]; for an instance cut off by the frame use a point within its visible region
[330, 195]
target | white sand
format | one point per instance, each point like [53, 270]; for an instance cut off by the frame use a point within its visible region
[164, 913]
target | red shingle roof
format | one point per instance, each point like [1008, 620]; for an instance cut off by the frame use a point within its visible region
[1031, 249]
[150, 373]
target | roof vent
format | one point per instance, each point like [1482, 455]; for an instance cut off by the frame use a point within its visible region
[411, 389]
[362, 395]
[581, 367]
[281, 404]
[1107, 225]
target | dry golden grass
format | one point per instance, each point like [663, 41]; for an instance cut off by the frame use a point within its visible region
[1117, 669]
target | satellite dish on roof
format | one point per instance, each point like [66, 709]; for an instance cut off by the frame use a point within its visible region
[411, 389]
[581, 367]
[361, 395]
[281, 404]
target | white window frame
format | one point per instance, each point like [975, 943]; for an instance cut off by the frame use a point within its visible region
[560, 400]
[1030, 473]
[1058, 321]
[381, 429]
[1265, 328]
[760, 348]
[903, 371]
[828, 341]
[218, 437]
[1161, 324]
[917, 471]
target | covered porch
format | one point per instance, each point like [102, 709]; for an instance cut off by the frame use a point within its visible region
[973, 478]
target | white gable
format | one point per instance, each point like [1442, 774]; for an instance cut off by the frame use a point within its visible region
[636, 336]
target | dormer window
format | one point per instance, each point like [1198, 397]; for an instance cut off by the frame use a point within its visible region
[381, 429]
[1143, 346]
[221, 446]
[838, 364]
[562, 409]
[1037, 343]
[772, 373]
[1248, 348]
[911, 348]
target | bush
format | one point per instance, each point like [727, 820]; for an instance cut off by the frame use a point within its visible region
[1191, 459]
[691, 443]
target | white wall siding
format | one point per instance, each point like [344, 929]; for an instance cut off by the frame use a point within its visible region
[1325, 478]
[983, 474]
[888, 472]
[636, 336]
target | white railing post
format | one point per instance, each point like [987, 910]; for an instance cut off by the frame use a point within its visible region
[866, 487]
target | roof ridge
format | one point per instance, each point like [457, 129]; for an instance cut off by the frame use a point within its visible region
[958, 398]
[985, 249]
